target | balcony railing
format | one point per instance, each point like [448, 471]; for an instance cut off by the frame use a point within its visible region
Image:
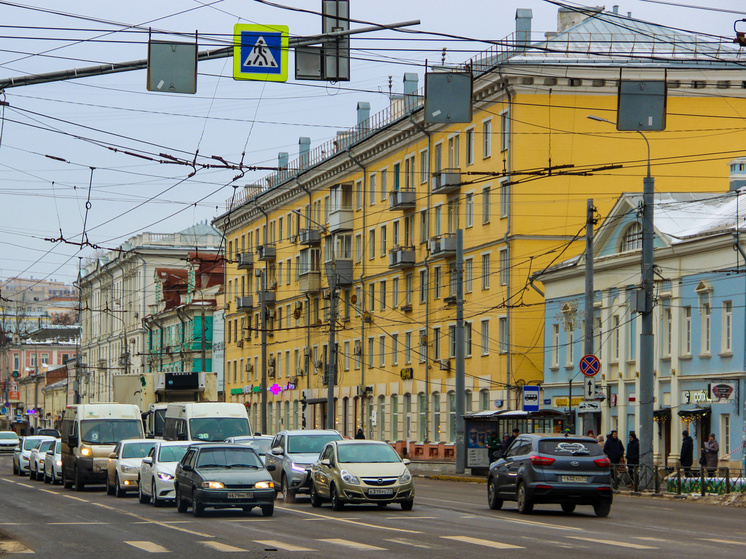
[402, 199]
[245, 261]
[401, 257]
[447, 181]
[245, 303]
[266, 252]
[310, 237]
[340, 220]
[443, 245]
[309, 282]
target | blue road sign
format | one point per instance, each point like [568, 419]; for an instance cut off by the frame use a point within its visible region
[260, 52]
[590, 365]
[530, 398]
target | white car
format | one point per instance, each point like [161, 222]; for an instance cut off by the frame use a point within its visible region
[123, 468]
[36, 458]
[8, 441]
[156, 483]
[53, 464]
[260, 443]
[23, 450]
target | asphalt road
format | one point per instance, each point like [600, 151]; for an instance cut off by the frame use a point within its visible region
[449, 519]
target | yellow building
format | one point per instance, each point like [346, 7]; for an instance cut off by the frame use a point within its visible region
[381, 204]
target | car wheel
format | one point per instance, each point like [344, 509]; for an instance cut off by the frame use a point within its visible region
[79, 484]
[314, 494]
[602, 509]
[492, 500]
[46, 479]
[118, 491]
[287, 494]
[154, 495]
[109, 488]
[268, 510]
[66, 483]
[15, 469]
[337, 503]
[525, 506]
[142, 497]
[31, 473]
[198, 509]
[407, 505]
[181, 505]
[568, 508]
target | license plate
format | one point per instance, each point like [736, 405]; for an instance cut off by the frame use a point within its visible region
[240, 495]
[380, 491]
[575, 479]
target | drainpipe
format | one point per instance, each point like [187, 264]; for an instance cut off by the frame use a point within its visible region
[426, 437]
[362, 291]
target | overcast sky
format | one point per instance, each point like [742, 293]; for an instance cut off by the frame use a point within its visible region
[57, 138]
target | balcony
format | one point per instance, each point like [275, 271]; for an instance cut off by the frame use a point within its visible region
[310, 237]
[244, 303]
[309, 282]
[340, 220]
[245, 261]
[267, 297]
[266, 253]
[343, 269]
[401, 257]
[447, 181]
[402, 199]
[443, 245]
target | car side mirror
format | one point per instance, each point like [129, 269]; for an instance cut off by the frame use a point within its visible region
[325, 462]
[406, 461]
[271, 468]
[72, 441]
[50, 452]
[187, 468]
[147, 460]
[278, 450]
[113, 456]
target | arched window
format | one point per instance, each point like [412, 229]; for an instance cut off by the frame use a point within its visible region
[632, 238]
[422, 412]
[436, 416]
[394, 417]
[451, 416]
[381, 418]
[408, 417]
[295, 414]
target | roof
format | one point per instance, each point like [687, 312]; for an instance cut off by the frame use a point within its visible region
[201, 229]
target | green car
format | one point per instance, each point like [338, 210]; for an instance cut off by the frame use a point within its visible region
[361, 472]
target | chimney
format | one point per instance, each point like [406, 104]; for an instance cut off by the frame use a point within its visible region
[304, 148]
[523, 17]
[410, 83]
[363, 116]
[615, 8]
[282, 160]
[569, 17]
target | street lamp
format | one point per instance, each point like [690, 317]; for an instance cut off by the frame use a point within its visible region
[645, 308]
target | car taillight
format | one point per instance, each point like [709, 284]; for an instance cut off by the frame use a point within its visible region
[602, 462]
[541, 460]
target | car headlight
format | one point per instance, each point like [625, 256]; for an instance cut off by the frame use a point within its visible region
[299, 467]
[347, 477]
[59, 463]
[264, 485]
[165, 477]
[129, 469]
[85, 451]
[406, 477]
[213, 485]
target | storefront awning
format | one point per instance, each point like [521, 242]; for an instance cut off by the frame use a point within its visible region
[695, 413]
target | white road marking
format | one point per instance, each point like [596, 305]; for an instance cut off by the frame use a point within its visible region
[48, 491]
[224, 547]
[485, 543]
[150, 547]
[156, 522]
[282, 545]
[655, 508]
[87, 523]
[411, 517]
[25, 485]
[718, 540]
[611, 542]
[77, 498]
[404, 541]
[13, 547]
[649, 539]
[353, 545]
[353, 522]
[8, 480]
[541, 524]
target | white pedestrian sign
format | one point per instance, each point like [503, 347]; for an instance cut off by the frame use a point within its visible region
[260, 56]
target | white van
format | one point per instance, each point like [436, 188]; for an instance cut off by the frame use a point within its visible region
[89, 434]
[205, 421]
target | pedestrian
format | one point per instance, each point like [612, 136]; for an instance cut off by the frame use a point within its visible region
[710, 452]
[505, 443]
[614, 450]
[633, 456]
[590, 434]
[493, 446]
[514, 436]
[600, 440]
[359, 434]
[686, 457]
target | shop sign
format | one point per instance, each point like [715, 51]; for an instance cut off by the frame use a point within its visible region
[722, 390]
[695, 396]
[561, 402]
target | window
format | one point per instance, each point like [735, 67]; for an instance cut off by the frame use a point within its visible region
[725, 434]
[453, 210]
[470, 146]
[555, 345]
[422, 412]
[408, 289]
[454, 147]
[502, 325]
[486, 205]
[504, 267]
[437, 213]
[394, 349]
[382, 296]
[570, 353]
[358, 248]
[727, 326]
[687, 331]
[409, 165]
[372, 244]
[452, 341]
[423, 286]
[615, 338]
[706, 327]
[394, 417]
[504, 130]
[485, 271]
[371, 351]
[436, 416]
[504, 199]
[469, 209]
[397, 176]
[467, 338]
[372, 296]
[485, 341]
[423, 346]
[451, 396]
[407, 348]
[359, 195]
[486, 139]
[667, 332]
[279, 273]
[484, 400]
[423, 226]
[436, 282]
[382, 350]
[384, 181]
[436, 342]
[438, 159]
[383, 240]
[468, 274]
[372, 189]
[632, 238]
[424, 166]
[395, 293]
[280, 231]
[288, 272]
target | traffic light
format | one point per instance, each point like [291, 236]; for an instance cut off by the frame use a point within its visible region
[15, 374]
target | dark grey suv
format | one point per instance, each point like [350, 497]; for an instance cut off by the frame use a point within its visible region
[547, 468]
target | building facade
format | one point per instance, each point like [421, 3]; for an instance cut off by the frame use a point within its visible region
[368, 220]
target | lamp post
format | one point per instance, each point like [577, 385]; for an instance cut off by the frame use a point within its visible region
[644, 306]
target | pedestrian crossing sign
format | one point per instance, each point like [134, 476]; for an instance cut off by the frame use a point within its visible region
[260, 52]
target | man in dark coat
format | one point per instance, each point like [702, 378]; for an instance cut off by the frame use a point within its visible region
[633, 455]
[686, 457]
[614, 448]
[710, 452]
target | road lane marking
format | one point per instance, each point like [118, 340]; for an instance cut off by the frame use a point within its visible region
[485, 543]
[13, 547]
[77, 498]
[611, 542]
[354, 522]
[353, 545]
[282, 545]
[150, 547]
[224, 547]
[87, 523]
[8, 480]
[409, 543]
[25, 485]
[156, 522]
[650, 539]
[717, 540]
[412, 517]
[49, 491]
[539, 524]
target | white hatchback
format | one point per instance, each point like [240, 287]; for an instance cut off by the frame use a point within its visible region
[156, 483]
[123, 469]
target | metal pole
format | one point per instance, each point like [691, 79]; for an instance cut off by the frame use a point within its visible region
[569, 402]
[331, 367]
[460, 355]
[589, 312]
[263, 312]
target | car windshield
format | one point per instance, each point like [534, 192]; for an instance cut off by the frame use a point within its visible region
[109, 431]
[217, 429]
[228, 458]
[9, 436]
[565, 447]
[351, 453]
[309, 444]
[171, 453]
[136, 450]
[159, 420]
[58, 447]
[28, 444]
[46, 445]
